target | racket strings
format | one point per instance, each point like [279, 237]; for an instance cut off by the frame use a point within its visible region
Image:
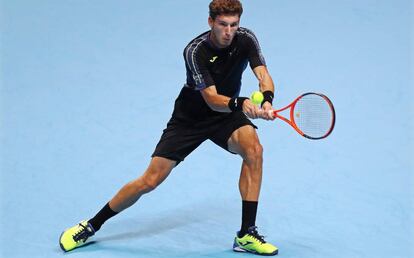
[313, 115]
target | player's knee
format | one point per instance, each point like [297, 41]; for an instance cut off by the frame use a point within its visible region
[149, 183]
[254, 152]
[153, 177]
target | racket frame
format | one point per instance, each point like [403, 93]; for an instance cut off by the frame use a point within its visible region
[292, 122]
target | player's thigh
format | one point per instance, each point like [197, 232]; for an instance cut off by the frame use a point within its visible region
[231, 128]
[178, 141]
[245, 141]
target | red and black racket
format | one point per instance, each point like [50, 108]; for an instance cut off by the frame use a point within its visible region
[312, 115]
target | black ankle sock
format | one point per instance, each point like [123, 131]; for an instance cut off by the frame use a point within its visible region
[103, 215]
[249, 211]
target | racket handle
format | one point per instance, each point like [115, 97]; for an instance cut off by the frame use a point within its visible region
[271, 113]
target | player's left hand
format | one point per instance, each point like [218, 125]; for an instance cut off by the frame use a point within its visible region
[267, 113]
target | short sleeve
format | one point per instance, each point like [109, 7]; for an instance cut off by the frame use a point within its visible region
[254, 51]
[196, 67]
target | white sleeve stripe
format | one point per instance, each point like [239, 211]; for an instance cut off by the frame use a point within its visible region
[190, 58]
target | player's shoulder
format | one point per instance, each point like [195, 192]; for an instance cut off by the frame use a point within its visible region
[246, 33]
[197, 42]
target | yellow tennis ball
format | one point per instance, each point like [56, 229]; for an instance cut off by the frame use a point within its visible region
[256, 97]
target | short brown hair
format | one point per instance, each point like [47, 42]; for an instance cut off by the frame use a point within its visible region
[229, 7]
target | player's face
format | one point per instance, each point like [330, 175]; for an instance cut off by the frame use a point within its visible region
[223, 29]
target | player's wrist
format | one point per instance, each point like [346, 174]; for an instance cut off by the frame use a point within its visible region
[267, 97]
[236, 103]
[266, 106]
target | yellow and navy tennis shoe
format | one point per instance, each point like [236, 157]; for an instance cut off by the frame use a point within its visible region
[76, 236]
[254, 243]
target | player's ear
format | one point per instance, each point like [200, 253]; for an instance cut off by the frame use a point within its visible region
[210, 22]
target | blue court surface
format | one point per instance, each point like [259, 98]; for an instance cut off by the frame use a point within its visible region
[88, 86]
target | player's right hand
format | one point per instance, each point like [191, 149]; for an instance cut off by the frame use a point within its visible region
[251, 110]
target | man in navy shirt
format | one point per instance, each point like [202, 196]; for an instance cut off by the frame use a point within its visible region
[208, 108]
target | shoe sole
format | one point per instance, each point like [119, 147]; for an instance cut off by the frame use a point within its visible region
[241, 250]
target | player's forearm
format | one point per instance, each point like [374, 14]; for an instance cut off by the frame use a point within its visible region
[264, 78]
[215, 101]
[219, 103]
[266, 83]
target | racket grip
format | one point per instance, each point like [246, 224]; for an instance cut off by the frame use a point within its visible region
[271, 113]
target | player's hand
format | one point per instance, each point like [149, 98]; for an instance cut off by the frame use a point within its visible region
[251, 110]
[267, 111]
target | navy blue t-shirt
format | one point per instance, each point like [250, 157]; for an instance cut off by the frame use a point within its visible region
[207, 65]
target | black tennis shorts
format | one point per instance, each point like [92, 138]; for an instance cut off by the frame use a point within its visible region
[180, 138]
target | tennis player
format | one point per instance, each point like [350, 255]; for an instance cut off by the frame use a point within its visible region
[207, 108]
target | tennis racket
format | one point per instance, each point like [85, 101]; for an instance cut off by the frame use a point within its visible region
[312, 115]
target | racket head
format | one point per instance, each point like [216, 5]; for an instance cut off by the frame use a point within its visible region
[313, 115]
